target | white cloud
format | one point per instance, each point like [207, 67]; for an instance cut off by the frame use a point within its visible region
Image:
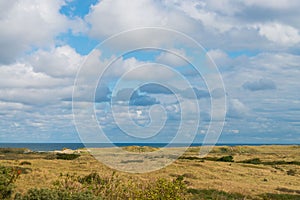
[21, 75]
[219, 57]
[237, 109]
[19, 82]
[274, 4]
[30, 23]
[205, 12]
[111, 17]
[279, 33]
[58, 62]
[171, 59]
[31, 89]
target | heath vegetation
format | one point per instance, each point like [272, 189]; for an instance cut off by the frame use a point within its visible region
[245, 172]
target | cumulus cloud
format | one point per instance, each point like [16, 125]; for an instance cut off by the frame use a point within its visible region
[62, 61]
[237, 109]
[26, 24]
[33, 89]
[109, 17]
[261, 84]
[171, 59]
[22, 76]
[279, 33]
[273, 4]
[220, 58]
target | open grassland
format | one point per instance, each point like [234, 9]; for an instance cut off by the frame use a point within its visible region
[240, 172]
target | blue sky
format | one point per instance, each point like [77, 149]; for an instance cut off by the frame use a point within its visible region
[255, 46]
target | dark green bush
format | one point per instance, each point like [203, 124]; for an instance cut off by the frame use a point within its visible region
[214, 194]
[92, 178]
[291, 172]
[252, 161]
[25, 163]
[281, 162]
[115, 188]
[55, 194]
[8, 176]
[190, 158]
[66, 156]
[280, 197]
[256, 161]
[288, 190]
[226, 159]
[14, 150]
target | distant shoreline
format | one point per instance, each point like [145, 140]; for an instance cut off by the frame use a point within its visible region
[75, 146]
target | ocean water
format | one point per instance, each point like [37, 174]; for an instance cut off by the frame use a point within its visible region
[74, 146]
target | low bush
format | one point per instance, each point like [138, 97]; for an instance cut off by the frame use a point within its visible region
[54, 194]
[291, 172]
[66, 156]
[8, 176]
[140, 149]
[190, 158]
[257, 161]
[288, 190]
[109, 188]
[14, 150]
[252, 161]
[25, 163]
[196, 194]
[226, 159]
[280, 196]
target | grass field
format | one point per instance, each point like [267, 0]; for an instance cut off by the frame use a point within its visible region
[240, 172]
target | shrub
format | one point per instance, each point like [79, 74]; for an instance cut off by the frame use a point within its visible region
[25, 163]
[14, 150]
[8, 176]
[291, 172]
[214, 194]
[55, 194]
[280, 196]
[288, 190]
[252, 161]
[226, 159]
[190, 158]
[92, 178]
[66, 156]
[114, 188]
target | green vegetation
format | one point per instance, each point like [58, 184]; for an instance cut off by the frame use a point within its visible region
[8, 176]
[14, 150]
[140, 149]
[25, 163]
[93, 187]
[288, 190]
[198, 194]
[269, 196]
[52, 194]
[257, 161]
[67, 156]
[221, 159]
[291, 172]
[264, 172]
[226, 159]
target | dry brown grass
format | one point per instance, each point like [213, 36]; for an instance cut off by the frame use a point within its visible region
[234, 177]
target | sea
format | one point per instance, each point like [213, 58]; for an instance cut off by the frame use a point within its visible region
[74, 146]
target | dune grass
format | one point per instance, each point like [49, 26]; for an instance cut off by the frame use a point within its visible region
[262, 172]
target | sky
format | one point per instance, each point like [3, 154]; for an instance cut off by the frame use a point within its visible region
[52, 51]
